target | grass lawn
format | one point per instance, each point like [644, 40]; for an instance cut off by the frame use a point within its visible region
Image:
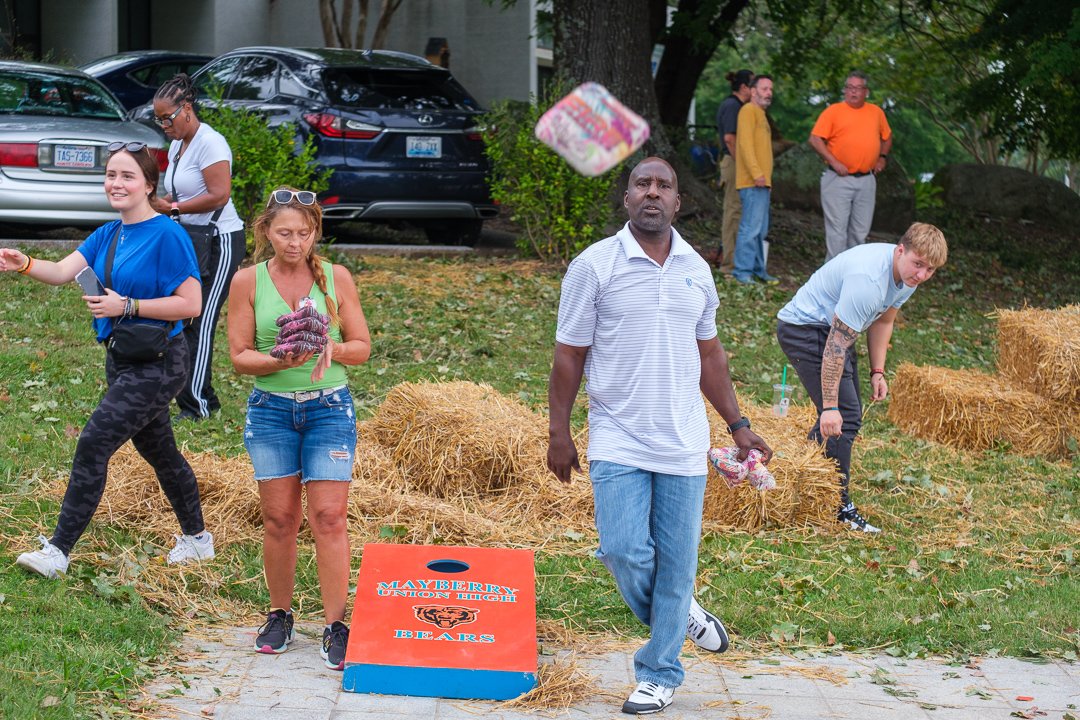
[980, 553]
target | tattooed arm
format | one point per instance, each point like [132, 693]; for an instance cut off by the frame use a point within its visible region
[877, 342]
[841, 338]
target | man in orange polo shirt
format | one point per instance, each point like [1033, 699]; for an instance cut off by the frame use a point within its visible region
[854, 139]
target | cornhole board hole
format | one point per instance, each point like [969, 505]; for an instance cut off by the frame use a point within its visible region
[443, 621]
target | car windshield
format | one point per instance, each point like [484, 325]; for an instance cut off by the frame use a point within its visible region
[396, 89]
[39, 93]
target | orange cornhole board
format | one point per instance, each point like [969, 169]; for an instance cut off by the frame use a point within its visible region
[442, 621]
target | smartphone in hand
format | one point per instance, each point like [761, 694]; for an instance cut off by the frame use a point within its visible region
[89, 282]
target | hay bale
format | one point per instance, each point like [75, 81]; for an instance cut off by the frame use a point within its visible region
[974, 410]
[1039, 350]
[807, 484]
[390, 500]
[460, 438]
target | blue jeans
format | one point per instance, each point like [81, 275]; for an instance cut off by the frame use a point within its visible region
[753, 228]
[314, 438]
[650, 525]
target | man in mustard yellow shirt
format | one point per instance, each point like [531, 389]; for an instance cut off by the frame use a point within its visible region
[853, 138]
[753, 180]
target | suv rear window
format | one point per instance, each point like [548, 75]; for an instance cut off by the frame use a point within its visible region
[369, 89]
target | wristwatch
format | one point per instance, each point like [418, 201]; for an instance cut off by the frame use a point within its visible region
[174, 210]
[743, 422]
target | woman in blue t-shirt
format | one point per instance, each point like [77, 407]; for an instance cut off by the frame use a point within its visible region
[154, 279]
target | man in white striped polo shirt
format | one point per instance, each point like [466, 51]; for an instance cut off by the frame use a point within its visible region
[637, 318]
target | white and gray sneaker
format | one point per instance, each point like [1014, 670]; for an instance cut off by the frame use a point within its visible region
[849, 516]
[192, 548]
[705, 629]
[49, 561]
[648, 698]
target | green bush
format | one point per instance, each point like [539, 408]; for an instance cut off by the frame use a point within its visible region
[928, 196]
[560, 210]
[263, 158]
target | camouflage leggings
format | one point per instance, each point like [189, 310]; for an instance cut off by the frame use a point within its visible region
[136, 408]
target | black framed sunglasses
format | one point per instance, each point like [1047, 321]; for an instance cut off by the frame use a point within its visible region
[168, 121]
[283, 197]
[131, 147]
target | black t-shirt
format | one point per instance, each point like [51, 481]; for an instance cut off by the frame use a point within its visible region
[727, 119]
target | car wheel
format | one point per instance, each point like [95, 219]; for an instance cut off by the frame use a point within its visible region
[454, 232]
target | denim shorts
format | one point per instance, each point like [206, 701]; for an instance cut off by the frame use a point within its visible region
[314, 439]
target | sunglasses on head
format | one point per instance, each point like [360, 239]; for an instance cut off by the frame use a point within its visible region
[283, 197]
[131, 147]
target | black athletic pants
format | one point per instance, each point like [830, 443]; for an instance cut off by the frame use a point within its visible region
[135, 407]
[226, 253]
[804, 346]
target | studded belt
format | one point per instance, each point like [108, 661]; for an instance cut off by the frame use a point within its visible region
[305, 395]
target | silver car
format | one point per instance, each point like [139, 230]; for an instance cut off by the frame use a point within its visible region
[55, 124]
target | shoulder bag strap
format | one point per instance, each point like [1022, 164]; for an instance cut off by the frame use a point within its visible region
[110, 254]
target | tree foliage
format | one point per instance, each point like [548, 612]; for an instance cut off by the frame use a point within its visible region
[560, 210]
[264, 157]
[1032, 89]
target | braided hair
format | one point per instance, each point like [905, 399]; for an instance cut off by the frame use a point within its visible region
[264, 249]
[177, 90]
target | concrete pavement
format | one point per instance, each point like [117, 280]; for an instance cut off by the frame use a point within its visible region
[223, 678]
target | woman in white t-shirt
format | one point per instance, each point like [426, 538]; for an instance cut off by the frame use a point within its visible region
[198, 183]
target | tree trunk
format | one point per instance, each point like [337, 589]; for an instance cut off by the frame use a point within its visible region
[614, 49]
[389, 7]
[328, 19]
[361, 23]
[688, 46]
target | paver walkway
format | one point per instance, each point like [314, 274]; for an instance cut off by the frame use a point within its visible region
[225, 680]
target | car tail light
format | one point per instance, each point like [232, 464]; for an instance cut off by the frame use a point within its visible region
[331, 200]
[19, 154]
[474, 133]
[332, 126]
[162, 157]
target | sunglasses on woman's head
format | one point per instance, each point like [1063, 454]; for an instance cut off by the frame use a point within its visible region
[283, 197]
[131, 147]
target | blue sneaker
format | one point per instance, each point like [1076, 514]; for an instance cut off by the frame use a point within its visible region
[744, 279]
[768, 279]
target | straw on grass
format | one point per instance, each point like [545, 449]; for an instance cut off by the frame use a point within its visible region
[807, 484]
[1039, 350]
[976, 411]
[561, 684]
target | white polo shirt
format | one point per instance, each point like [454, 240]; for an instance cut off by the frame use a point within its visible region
[641, 322]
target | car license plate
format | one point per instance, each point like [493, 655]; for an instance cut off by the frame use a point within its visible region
[74, 156]
[423, 147]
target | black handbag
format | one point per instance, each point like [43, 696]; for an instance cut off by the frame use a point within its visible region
[202, 236]
[133, 341]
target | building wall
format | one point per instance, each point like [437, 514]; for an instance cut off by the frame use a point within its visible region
[79, 31]
[492, 51]
[188, 26]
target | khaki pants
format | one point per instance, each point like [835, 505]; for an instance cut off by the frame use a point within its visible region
[732, 214]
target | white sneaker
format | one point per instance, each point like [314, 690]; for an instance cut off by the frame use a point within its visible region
[705, 629]
[648, 698]
[49, 561]
[192, 549]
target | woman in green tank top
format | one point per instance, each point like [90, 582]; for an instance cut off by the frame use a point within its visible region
[301, 426]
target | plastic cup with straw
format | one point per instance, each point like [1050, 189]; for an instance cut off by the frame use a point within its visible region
[782, 396]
